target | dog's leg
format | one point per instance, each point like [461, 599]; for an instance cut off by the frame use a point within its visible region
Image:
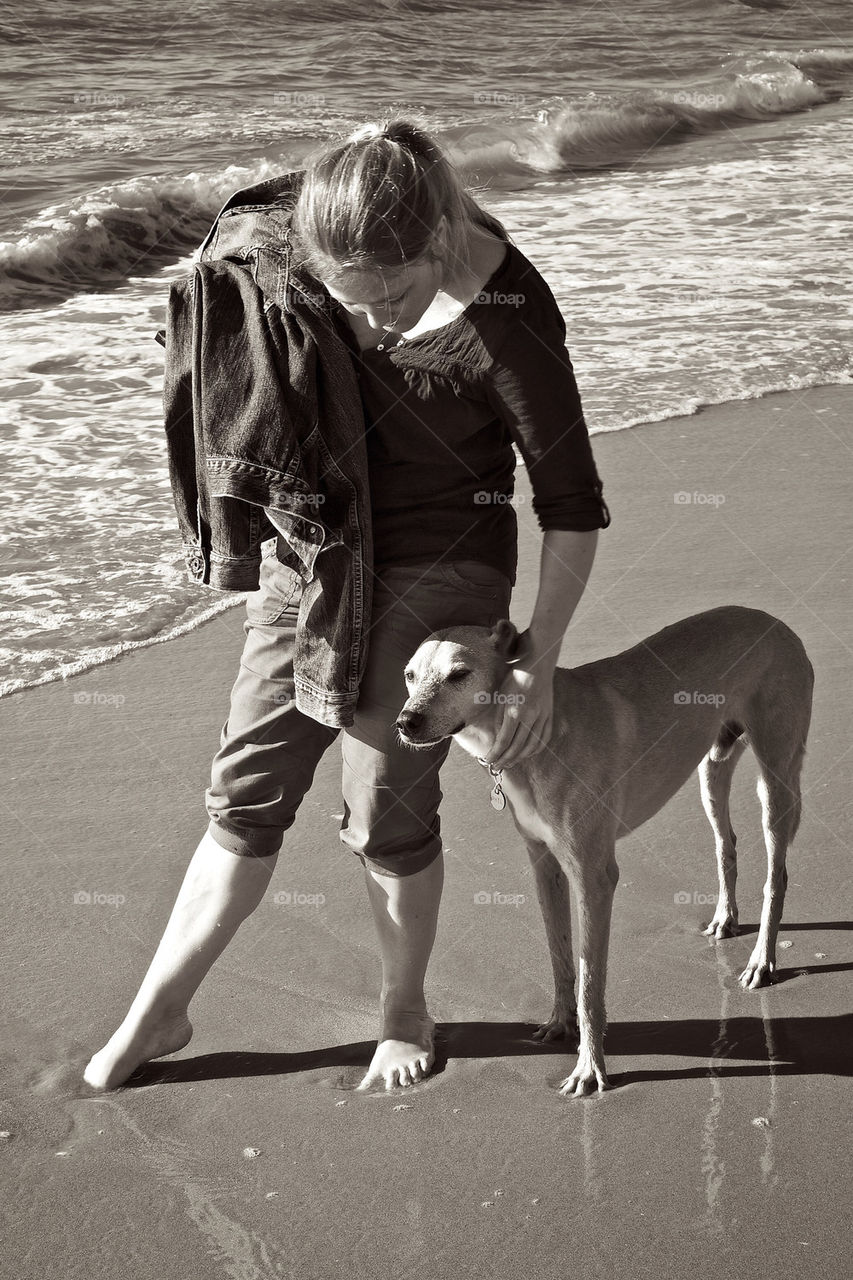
[780, 812]
[552, 889]
[715, 781]
[594, 876]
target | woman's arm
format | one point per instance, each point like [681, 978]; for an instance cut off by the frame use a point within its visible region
[531, 385]
[566, 561]
[567, 556]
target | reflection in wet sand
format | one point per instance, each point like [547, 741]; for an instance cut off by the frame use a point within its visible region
[712, 1163]
[769, 1176]
[591, 1176]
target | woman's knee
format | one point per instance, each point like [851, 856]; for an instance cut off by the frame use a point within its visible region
[260, 775]
[391, 801]
[396, 863]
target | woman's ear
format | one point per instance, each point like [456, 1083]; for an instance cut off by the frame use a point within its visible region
[439, 245]
[445, 251]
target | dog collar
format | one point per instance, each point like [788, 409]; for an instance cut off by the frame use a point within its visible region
[497, 799]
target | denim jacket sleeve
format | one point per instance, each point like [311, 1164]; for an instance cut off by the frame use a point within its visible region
[178, 421]
[232, 442]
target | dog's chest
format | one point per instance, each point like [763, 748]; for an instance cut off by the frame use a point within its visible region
[525, 809]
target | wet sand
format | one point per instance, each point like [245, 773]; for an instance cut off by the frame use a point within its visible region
[723, 1145]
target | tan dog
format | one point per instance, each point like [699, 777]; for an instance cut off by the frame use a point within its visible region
[628, 731]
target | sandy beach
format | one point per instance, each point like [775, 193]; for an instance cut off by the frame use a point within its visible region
[720, 1148]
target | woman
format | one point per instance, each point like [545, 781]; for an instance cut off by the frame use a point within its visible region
[459, 349]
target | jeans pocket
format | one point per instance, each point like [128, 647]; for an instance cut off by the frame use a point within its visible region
[280, 587]
[474, 576]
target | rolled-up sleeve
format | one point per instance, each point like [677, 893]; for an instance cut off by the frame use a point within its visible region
[531, 387]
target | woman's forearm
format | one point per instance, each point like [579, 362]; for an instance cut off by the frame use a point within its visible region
[566, 561]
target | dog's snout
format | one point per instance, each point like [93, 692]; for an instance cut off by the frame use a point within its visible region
[410, 721]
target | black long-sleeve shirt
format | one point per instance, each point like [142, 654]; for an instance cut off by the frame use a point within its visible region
[439, 446]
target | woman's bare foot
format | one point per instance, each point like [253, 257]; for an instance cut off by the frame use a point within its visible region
[134, 1044]
[405, 1052]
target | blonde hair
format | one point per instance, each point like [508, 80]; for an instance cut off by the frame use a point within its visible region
[374, 202]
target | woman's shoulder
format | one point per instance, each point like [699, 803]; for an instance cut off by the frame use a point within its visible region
[520, 284]
[495, 264]
[488, 253]
[513, 309]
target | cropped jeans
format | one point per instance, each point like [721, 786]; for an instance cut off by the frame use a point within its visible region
[269, 750]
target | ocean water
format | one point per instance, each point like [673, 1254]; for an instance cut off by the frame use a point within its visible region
[681, 173]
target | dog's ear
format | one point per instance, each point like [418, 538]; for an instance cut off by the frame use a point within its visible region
[504, 637]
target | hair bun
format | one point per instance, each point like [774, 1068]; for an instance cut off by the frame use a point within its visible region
[404, 133]
[407, 134]
[366, 133]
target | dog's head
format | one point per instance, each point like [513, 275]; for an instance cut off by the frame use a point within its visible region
[452, 679]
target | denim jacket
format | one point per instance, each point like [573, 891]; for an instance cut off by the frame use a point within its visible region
[265, 436]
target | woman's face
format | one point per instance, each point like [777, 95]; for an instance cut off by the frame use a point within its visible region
[388, 299]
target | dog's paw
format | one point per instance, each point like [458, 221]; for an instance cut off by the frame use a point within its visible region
[722, 926]
[558, 1027]
[586, 1078]
[758, 973]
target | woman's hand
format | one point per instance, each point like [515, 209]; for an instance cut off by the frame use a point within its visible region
[528, 713]
[527, 700]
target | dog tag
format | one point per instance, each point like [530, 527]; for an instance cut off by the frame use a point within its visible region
[497, 799]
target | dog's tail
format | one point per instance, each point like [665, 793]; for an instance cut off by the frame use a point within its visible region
[726, 739]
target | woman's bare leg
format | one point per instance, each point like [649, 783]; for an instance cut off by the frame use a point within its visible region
[405, 911]
[220, 889]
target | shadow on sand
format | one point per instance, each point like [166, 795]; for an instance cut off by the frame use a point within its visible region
[802, 1046]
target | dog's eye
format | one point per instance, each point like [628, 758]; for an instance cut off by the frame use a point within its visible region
[459, 674]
